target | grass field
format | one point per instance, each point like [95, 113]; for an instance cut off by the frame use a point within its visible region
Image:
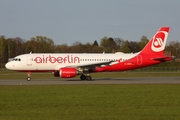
[90, 102]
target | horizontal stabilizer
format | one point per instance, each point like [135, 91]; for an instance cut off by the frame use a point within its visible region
[165, 58]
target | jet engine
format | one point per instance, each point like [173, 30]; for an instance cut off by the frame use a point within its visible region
[66, 72]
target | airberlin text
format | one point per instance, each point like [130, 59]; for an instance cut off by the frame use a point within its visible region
[57, 59]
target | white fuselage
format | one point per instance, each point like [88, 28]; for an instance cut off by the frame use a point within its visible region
[53, 61]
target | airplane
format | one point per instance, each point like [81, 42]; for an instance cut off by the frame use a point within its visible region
[68, 65]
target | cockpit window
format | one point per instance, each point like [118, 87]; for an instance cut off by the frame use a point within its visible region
[16, 59]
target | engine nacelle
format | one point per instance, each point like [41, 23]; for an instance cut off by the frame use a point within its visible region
[66, 73]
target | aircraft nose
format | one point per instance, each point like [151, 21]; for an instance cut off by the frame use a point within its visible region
[9, 66]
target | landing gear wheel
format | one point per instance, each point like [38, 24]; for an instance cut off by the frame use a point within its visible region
[88, 78]
[28, 79]
[83, 77]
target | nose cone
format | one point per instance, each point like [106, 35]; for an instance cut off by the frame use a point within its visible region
[9, 66]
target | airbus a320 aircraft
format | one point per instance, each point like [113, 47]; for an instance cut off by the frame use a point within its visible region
[69, 65]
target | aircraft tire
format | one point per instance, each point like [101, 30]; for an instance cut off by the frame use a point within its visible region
[83, 77]
[88, 78]
[28, 78]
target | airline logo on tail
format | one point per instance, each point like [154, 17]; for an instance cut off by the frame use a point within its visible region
[159, 41]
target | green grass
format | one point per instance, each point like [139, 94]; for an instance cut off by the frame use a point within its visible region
[90, 102]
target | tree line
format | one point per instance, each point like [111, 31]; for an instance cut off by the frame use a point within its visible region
[11, 47]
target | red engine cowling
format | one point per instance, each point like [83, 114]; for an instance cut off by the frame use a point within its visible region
[66, 72]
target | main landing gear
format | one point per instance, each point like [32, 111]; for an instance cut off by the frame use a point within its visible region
[85, 77]
[29, 76]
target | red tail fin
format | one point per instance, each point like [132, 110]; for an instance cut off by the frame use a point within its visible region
[157, 44]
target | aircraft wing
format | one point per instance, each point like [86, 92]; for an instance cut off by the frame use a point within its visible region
[93, 65]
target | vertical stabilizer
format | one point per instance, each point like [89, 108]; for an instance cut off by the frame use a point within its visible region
[157, 44]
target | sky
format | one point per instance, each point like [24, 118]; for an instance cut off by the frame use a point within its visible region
[70, 21]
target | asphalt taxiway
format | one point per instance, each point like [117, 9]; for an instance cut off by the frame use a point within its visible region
[146, 80]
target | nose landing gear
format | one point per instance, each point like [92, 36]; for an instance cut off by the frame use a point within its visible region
[29, 76]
